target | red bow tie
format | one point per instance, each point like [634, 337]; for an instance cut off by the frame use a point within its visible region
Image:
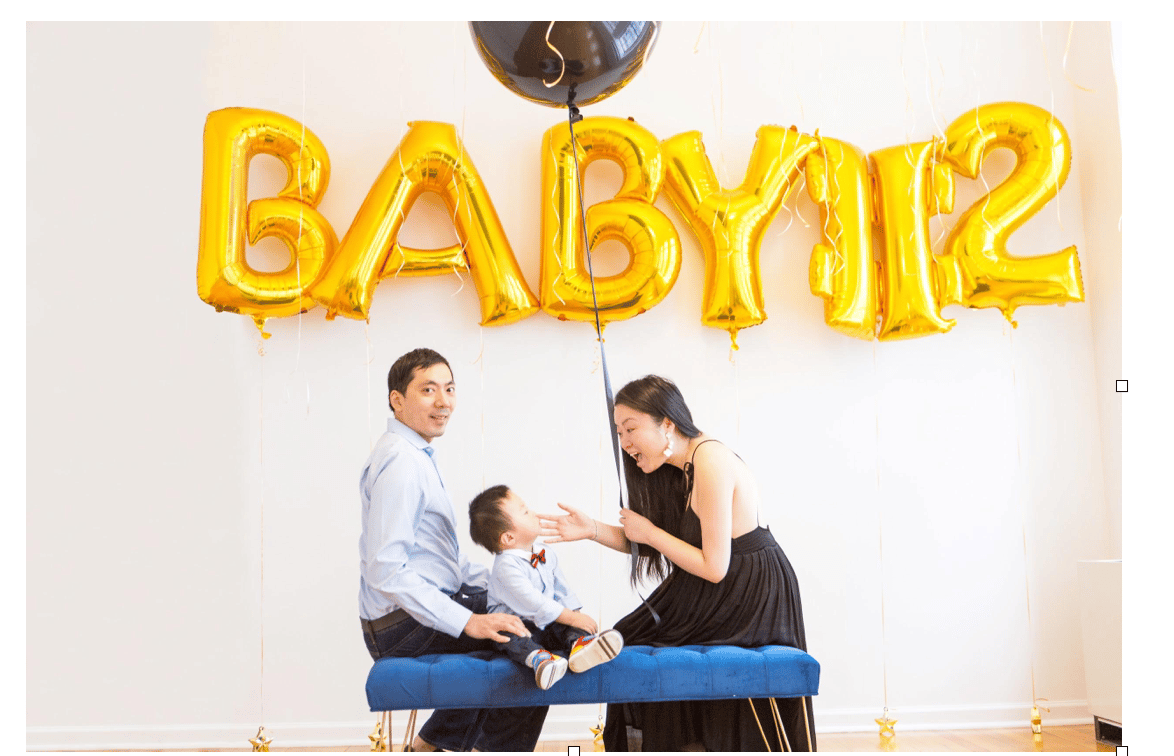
[536, 558]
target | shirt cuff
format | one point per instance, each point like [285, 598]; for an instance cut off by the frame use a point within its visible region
[453, 619]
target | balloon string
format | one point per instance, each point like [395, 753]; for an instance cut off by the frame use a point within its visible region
[1023, 504]
[562, 61]
[481, 366]
[880, 534]
[1064, 64]
[795, 77]
[700, 34]
[978, 125]
[367, 371]
[933, 114]
[573, 116]
[1051, 112]
[261, 466]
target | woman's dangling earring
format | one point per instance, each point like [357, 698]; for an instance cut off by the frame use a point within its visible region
[668, 449]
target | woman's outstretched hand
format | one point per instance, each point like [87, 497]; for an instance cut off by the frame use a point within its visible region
[573, 526]
[637, 527]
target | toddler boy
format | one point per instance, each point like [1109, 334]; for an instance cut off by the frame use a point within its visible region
[531, 586]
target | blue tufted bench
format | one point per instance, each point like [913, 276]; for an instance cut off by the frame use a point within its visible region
[639, 673]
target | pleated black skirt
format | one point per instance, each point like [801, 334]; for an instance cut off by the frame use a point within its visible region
[756, 604]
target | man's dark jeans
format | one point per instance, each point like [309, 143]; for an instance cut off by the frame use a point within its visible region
[504, 729]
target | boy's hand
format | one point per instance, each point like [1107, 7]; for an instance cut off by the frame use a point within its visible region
[584, 623]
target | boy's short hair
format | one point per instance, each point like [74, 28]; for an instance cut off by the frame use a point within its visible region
[486, 520]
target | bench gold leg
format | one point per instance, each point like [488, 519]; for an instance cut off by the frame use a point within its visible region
[759, 721]
[807, 725]
[410, 732]
[774, 710]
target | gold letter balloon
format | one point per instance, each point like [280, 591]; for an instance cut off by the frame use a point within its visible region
[909, 189]
[630, 218]
[729, 223]
[430, 158]
[229, 222]
[842, 270]
[976, 269]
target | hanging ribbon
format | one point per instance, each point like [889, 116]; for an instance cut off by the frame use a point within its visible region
[574, 117]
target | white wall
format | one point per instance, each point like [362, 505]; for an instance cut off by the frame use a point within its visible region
[192, 509]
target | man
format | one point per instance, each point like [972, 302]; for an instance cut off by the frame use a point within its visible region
[413, 578]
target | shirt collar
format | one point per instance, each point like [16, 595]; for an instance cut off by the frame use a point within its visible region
[398, 428]
[524, 553]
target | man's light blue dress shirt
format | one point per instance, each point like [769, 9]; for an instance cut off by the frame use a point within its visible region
[538, 594]
[409, 555]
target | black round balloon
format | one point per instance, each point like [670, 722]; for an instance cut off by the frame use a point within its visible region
[598, 57]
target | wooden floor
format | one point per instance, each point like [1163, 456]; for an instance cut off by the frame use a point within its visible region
[1075, 738]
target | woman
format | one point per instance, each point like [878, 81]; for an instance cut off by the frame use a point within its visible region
[694, 513]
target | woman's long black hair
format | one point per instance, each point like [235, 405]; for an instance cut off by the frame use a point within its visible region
[659, 495]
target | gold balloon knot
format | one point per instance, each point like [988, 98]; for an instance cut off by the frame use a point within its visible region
[259, 321]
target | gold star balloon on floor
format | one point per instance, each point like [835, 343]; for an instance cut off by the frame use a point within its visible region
[260, 742]
[1037, 722]
[597, 731]
[378, 741]
[886, 725]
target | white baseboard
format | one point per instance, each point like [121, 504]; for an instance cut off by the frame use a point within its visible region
[568, 726]
[951, 717]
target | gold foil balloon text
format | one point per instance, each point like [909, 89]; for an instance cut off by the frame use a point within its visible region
[896, 291]
[229, 222]
[729, 223]
[842, 269]
[630, 218]
[976, 269]
[908, 189]
[430, 158]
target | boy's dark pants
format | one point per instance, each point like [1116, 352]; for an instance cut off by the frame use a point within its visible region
[556, 638]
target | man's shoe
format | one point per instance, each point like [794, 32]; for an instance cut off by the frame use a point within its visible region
[548, 668]
[593, 650]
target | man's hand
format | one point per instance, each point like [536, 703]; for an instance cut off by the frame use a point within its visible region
[492, 626]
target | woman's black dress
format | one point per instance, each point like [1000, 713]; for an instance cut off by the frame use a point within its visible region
[756, 604]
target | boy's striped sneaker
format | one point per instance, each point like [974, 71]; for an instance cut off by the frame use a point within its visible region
[593, 650]
[548, 668]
